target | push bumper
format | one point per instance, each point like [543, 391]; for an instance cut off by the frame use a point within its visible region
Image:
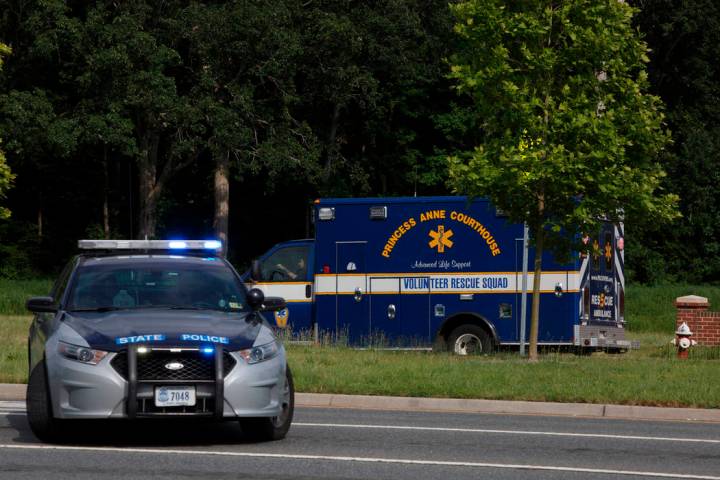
[83, 391]
[602, 337]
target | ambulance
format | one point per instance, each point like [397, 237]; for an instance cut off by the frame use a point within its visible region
[442, 273]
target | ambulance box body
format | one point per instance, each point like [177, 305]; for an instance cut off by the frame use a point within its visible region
[425, 271]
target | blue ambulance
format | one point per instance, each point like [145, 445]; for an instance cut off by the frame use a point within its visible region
[439, 272]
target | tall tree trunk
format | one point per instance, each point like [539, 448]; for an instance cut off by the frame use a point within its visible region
[148, 201]
[106, 185]
[331, 151]
[148, 188]
[535, 312]
[222, 200]
[39, 216]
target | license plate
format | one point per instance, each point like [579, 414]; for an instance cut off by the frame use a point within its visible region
[174, 396]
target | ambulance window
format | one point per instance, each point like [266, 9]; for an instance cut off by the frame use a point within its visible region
[608, 252]
[285, 265]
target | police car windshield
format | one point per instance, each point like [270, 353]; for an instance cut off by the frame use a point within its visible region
[110, 284]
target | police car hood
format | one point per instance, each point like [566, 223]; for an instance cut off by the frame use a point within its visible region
[115, 331]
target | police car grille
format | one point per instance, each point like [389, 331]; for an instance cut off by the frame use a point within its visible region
[151, 366]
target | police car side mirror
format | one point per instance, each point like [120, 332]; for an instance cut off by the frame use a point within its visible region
[273, 304]
[255, 298]
[41, 305]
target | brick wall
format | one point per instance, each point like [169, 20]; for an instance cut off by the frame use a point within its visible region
[704, 324]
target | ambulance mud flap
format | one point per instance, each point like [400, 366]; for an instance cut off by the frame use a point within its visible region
[131, 406]
[219, 383]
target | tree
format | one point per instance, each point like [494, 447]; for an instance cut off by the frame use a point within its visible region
[135, 56]
[6, 176]
[244, 91]
[684, 38]
[569, 135]
[371, 77]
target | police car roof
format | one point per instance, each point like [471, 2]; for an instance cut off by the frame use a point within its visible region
[131, 258]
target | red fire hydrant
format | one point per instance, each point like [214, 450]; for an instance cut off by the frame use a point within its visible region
[682, 340]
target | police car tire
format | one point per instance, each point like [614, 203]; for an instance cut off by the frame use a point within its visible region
[265, 429]
[39, 409]
[475, 331]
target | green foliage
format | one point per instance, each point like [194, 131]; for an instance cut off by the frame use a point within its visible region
[651, 309]
[22, 253]
[371, 79]
[6, 176]
[569, 135]
[243, 90]
[683, 70]
[14, 293]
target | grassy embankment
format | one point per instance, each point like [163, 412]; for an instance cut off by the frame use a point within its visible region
[14, 322]
[649, 376]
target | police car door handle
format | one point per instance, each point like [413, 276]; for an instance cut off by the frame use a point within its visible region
[391, 311]
[308, 291]
[358, 294]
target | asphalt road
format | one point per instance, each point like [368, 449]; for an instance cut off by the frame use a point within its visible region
[354, 444]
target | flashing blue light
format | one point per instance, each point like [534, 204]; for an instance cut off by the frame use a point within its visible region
[213, 244]
[176, 244]
[207, 350]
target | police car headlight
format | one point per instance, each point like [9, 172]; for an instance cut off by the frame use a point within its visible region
[80, 354]
[259, 353]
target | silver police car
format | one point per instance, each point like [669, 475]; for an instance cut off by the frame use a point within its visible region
[140, 329]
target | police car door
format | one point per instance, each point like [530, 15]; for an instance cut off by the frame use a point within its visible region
[352, 310]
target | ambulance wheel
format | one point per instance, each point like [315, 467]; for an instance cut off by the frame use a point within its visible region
[469, 339]
[39, 409]
[616, 351]
[266, 429]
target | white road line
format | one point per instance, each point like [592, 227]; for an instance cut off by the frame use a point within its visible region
[400, 461]
[473, 430]
[505, 432]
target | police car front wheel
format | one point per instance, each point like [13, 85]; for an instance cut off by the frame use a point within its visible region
[39, 409]
[273, 428]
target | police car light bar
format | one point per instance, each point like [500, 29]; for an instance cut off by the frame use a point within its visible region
[149, 244]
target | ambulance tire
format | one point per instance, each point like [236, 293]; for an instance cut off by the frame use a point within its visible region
[267, 429]
[39, 409]
[469, 339]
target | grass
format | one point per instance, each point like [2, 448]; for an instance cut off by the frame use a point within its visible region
[13, 354]
[14, 294]
[652, 308]
[649, 376]
[652, 376]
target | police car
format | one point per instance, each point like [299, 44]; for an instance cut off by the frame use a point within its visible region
[153, 328]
